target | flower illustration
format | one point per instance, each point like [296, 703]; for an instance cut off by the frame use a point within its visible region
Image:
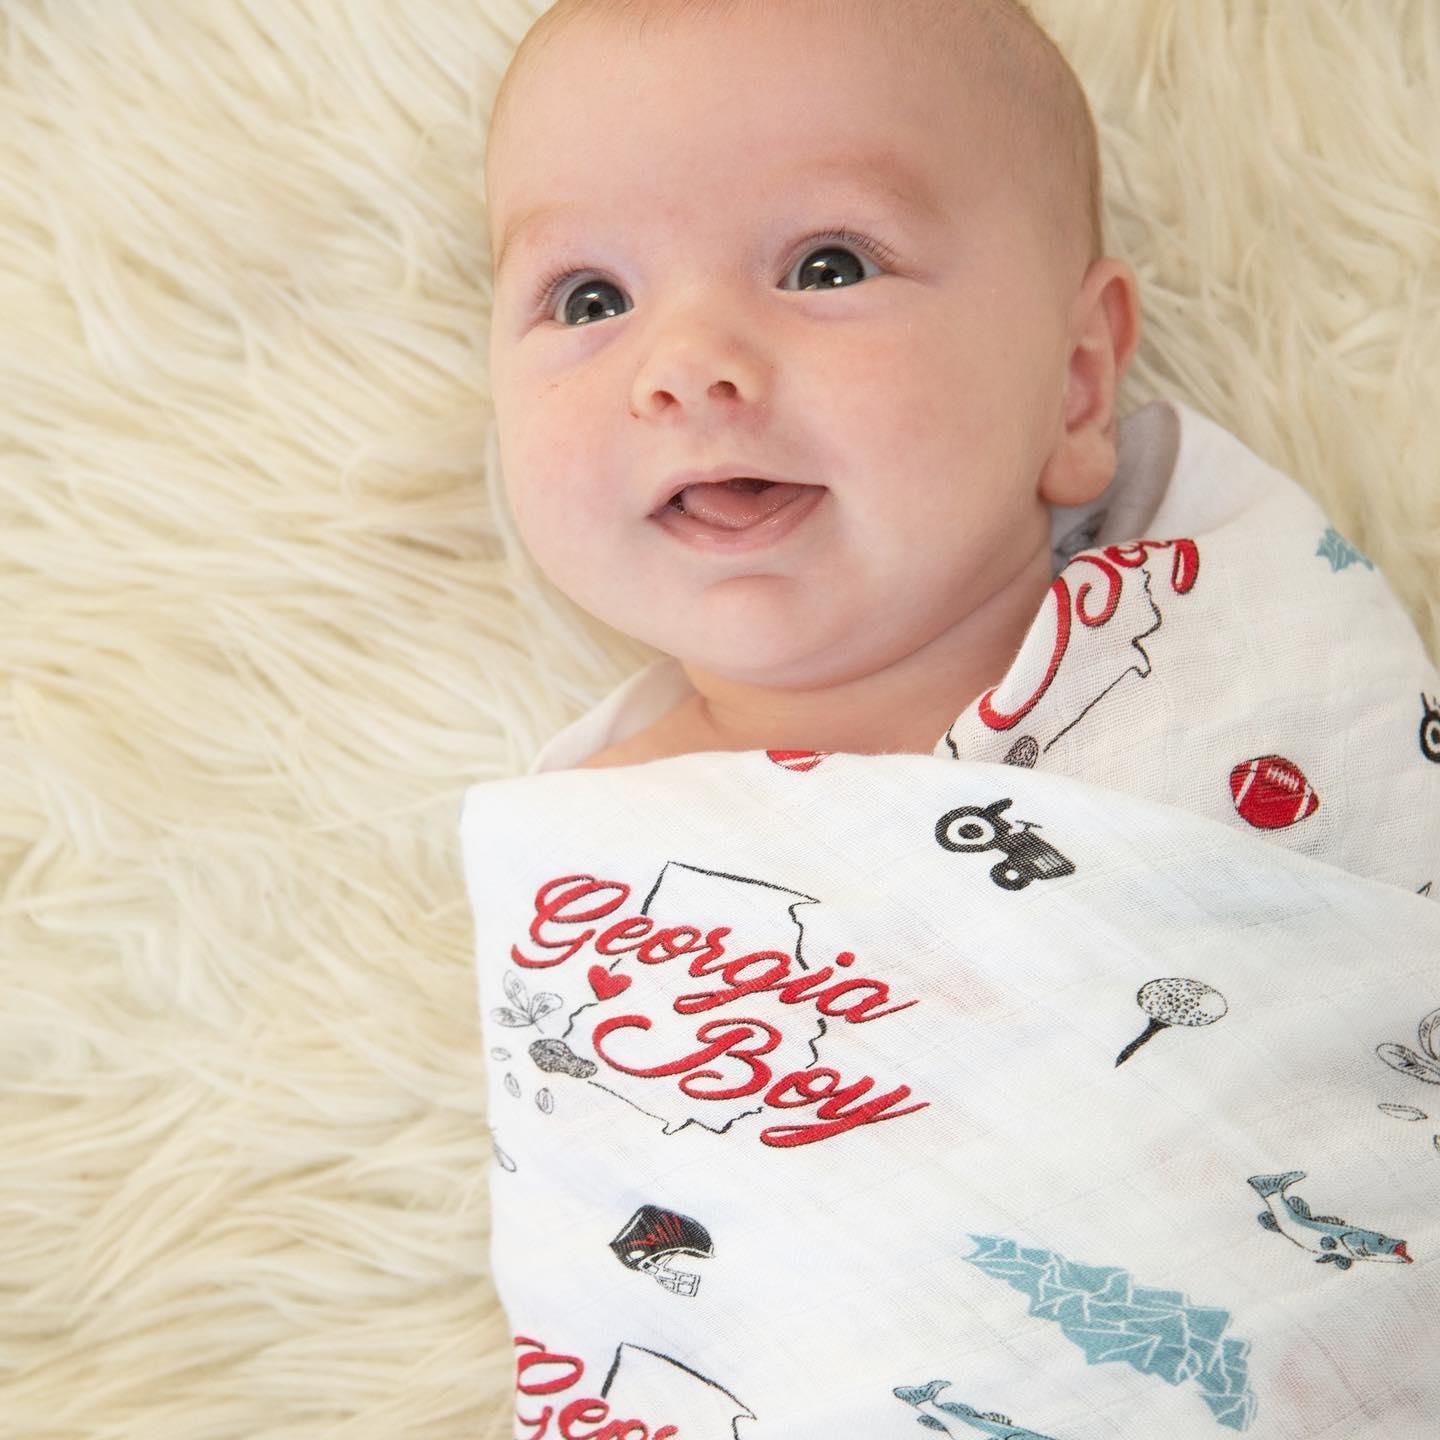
[526, 1011]
[1424, 1066]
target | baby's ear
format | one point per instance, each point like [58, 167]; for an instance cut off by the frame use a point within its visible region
[1104, 331]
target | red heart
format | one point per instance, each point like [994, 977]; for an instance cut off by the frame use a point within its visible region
[605, 985]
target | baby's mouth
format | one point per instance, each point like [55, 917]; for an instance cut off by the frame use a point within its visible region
[735, 504]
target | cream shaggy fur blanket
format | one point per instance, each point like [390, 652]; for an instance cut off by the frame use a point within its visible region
[266, 617]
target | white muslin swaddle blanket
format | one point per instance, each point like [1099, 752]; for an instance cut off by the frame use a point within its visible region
[1079, 1079]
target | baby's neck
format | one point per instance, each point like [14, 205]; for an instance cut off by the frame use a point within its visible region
[876, 714]
[905, 707]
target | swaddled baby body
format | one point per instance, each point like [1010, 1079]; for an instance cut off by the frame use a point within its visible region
[985, 977]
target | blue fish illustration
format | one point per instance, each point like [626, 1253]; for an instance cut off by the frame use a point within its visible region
[987, 1422]
[1331, 1238]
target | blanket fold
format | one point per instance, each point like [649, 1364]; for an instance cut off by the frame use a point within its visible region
[1078, 1079]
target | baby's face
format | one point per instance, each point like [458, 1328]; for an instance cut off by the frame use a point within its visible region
[689, 177]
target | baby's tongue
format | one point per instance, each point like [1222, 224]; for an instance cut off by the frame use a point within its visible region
[734, 504]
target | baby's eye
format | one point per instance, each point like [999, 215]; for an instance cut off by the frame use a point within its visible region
[827, 266]
[587, 303]
[820, 271]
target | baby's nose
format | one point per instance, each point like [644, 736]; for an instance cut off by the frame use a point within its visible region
[699, 369]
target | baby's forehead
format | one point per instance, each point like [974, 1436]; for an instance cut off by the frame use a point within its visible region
[970, 37]
[988, 57]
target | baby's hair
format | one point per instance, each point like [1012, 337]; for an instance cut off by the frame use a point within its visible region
[1041, 92]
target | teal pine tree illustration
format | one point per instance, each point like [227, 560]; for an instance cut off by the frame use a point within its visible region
[1340, 552]
[1102, 1310]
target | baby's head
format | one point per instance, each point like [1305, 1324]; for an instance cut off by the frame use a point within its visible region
[670, 187]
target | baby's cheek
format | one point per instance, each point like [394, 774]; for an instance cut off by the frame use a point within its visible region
[582, 559]
[540, 521]
[538, 495]
[519, 498]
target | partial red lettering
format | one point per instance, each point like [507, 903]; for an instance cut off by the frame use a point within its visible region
[999, 720]
[859, 1012]
[790, 989]
[551, 902]
[805, 1084]
[725, 1042]
[835, 1119]
[799, 987]
[1184, 565]
[662, 945]
[543, 1357]
[636, 926]
[582, 1412]
[759, 1071]
[1114, 585]
[777, 967]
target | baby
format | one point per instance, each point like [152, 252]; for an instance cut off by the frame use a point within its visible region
[976, 977]
[677, 194]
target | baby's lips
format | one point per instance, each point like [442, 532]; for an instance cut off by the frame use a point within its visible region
[721, 473]
[736, 504]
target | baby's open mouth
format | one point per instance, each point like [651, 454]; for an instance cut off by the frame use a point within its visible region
[735, 504]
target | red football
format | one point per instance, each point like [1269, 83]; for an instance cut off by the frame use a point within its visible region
[797, 759]
[1271, 793]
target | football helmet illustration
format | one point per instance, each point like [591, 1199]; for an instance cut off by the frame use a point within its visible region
[651, 1239]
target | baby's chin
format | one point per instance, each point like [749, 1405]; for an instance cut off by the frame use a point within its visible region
[795, 631]
[776, 659]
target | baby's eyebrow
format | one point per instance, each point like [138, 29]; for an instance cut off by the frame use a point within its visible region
[884, 177]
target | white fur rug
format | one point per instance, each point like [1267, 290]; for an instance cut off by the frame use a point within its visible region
[266, 618]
